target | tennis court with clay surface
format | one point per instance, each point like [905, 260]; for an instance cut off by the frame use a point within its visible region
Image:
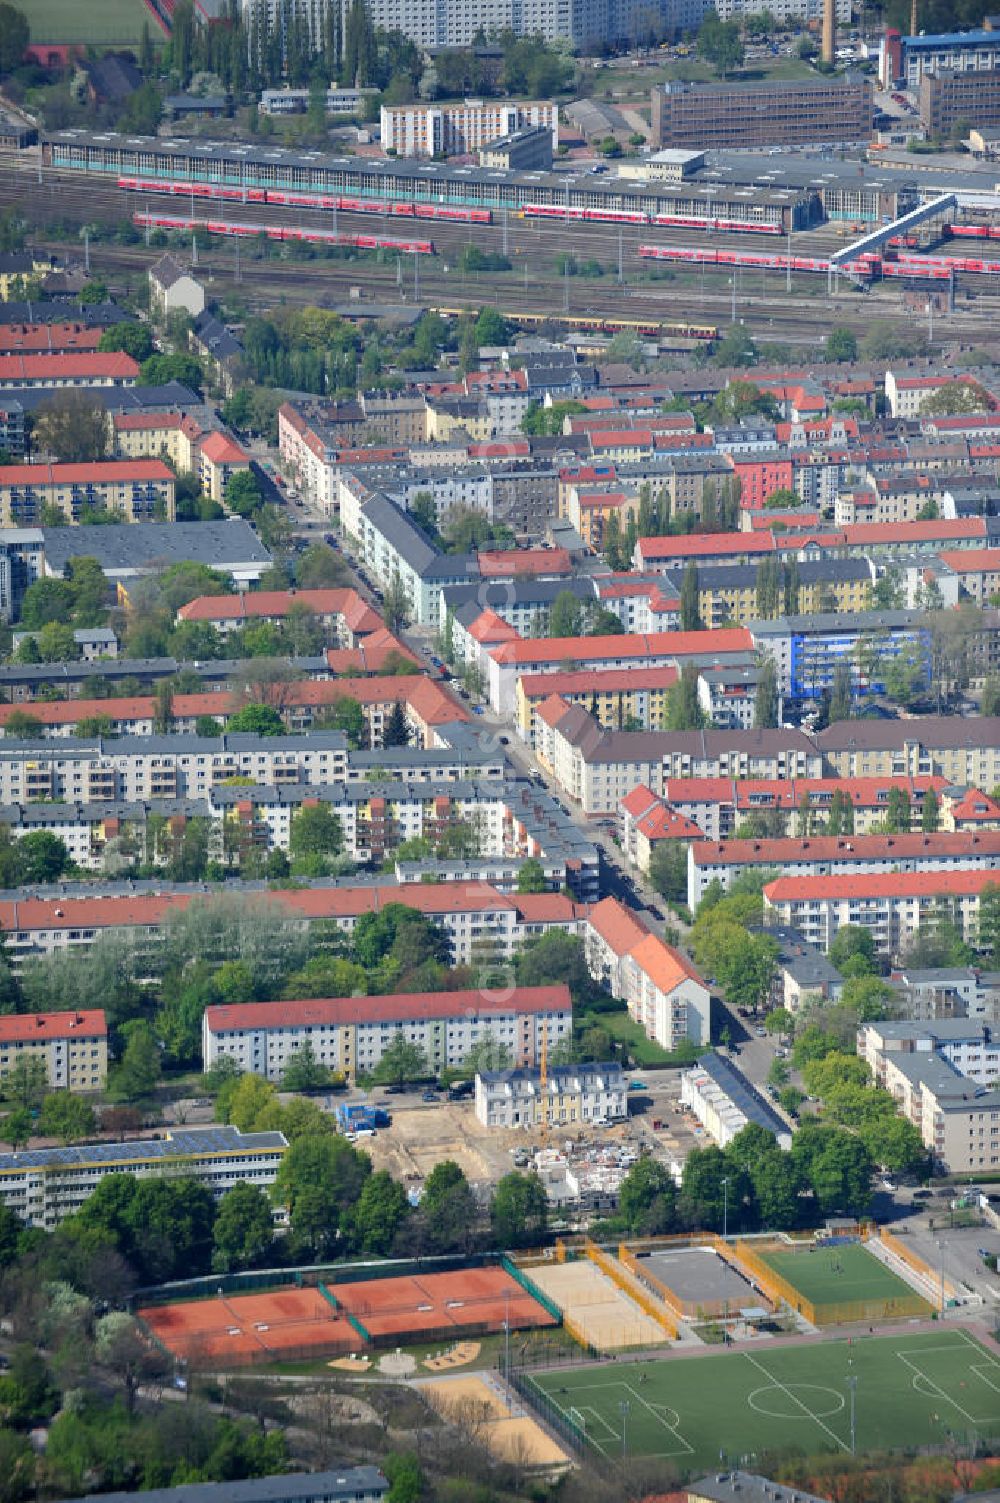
[251, 1327]
[479, 1298]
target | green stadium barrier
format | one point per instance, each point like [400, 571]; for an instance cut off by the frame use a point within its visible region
[530, 1287]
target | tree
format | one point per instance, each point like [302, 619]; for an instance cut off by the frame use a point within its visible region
[647, 1201]
[66, 1117]
[395, 729]
[121, 1347]
[898, 814]
[565, 615]
[16, 1126]
[531, 877]
[139, 1070]
[841, 1176]
[45, 601]
[781, 1022]
[315, 831]
[321, 567]
[14, 37]
[841, 344]
[347, 715]
[765, 709]
[244, 1228]
[135, 339]
[396, 606]
[930, 813]
[401, 1061]
[319, 1180]
[690, 610]
[668, 869]
[26, 1081]
[380, 1213]
[776, 1186]
[956, 398]
[683, 710]
[73, 426]
[257, 720]
[841, 702]
[703, 1200]
[448, 1209]
[160, 370]
[42, 857]
[853, 943]
[553, 957]
[720, 43]
[303, 1071]
[519, 1211]
[405, 1476]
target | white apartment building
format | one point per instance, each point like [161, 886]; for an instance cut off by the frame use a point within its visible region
[42, 1186]
[969, 1047]
[476, 918]
[839, 855]
[662, 990]
[296, 101]
[350, 1034]
[785, 11]
[428, 130]
[958, 1120]
[573, 1095]
[892, 905]
[136, 767]
[73, 1046]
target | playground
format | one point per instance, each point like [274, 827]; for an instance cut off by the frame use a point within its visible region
[731, 1408]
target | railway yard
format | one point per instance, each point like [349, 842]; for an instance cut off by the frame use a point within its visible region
[687, 273]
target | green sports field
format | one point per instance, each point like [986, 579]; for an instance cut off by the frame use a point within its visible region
[731, 1407]
[105, 23]
[829, 1275]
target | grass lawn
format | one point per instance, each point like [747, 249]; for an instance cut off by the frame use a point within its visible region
[100, 22]
[625, 1030]
[827, 1275]
[702, 1411]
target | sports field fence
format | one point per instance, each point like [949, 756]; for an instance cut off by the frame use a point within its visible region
[831, 1312]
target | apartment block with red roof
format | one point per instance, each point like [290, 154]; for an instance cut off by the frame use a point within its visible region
[618, 698]
[892, 905]
[49, 339]
[511, 660]
[220, 457]
[471, 913]
[427, 704]
[978, 571]
[73, 1047]
[350, 1034]
[663, 991]
[834, 855]
[87, 368]
[718, 806]
[138, 490]
[646, 822]
[342, 610]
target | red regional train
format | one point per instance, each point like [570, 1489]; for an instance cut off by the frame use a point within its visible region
[283, 232]
[329, 201]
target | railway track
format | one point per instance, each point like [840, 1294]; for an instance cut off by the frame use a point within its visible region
[698, 295]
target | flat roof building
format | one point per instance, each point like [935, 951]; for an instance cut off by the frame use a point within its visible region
[701, 116]
[724, 1101]
[44, 1185]
[352, 1484]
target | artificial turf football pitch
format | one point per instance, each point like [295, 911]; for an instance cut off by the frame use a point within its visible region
[846, 1271]
[732, 1407]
